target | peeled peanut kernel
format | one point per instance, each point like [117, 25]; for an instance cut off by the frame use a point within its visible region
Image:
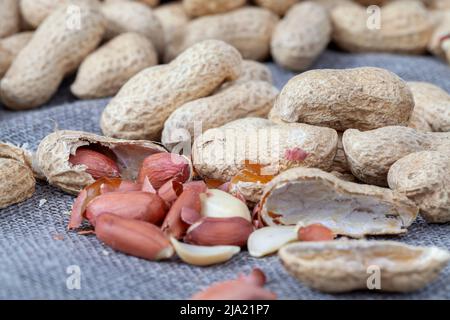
[159, 168]
[268, 240]
[220, 231]
[202, 255]
[136, 205]
[98, 165]
[220, 204]
[134, 237]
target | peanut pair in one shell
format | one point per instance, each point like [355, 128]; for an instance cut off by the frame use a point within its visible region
[306, 196]
[363, 98]
[140, 108]
[196, 8]
[57, 48]
[295, 46]
[248, 29]
[404, 27]
[221, 153]
[279, 7]
[424, 177]
[370, 154]
[129, 16]
[107, 69]
[55, 149]
[16, 177]
[432, 108]
[342, 266]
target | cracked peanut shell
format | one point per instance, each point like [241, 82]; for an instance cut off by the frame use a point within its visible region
[53, 154]
[17, 182]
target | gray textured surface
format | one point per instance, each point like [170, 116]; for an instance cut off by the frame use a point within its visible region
[33, 263]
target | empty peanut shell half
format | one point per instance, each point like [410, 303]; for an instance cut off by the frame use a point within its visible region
[122, 157]
[16, 177]
[307, 196]
[341, 266]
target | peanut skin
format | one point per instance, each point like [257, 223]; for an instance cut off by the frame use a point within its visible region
[140, 108]
[134, 237]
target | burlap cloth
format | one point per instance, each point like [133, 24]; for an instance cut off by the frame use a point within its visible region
[36, 250]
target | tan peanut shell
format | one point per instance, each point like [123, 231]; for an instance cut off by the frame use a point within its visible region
[173, 19]
[107, 69]
[140, 108]
[251, 71]
[248, 99]
[16, 177]
[437, 4]
[9, 17]
[424, 178]
[280, 7]
[55, 50]
[363, 98]
[247, 29]
[52, 157]
[295, 46]
[196, 8]
[331, 4]
[340, 162]
[220, 153]
[305, 196]
[432, 107]
[10, 47]
[128, 16]
[34, 12]
[404, 27]
[370, 154]
[342, 266]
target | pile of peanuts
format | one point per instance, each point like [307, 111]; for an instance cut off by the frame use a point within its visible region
[236, 163]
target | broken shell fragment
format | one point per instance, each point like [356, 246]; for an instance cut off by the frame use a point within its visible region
[216, 203]
[134, 237]
[17, 182]
[209, 231]
[203, 255]
[341, 266]
[306, 196]
[55, 150]
[268, 240]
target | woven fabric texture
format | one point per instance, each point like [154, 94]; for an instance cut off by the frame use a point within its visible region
[36, 249]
